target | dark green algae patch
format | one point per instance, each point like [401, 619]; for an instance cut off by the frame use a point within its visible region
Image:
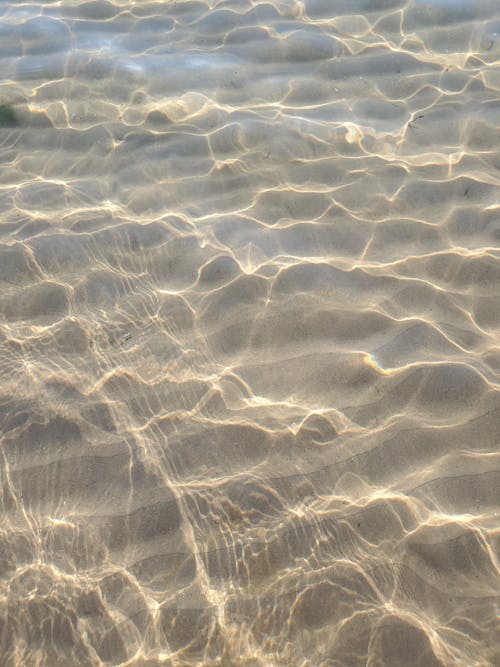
[8, 117]
[12, 117]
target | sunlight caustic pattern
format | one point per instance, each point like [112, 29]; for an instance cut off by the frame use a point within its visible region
[249, 333]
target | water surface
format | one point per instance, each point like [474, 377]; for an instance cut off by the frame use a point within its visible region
[249, 333]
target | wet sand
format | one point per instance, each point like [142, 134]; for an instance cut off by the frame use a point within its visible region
[249, 333]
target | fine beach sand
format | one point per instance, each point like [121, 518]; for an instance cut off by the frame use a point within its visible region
[250, 333]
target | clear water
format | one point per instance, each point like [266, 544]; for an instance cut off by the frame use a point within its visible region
[249, 333]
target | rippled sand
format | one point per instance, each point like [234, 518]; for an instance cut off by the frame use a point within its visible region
[249, 333]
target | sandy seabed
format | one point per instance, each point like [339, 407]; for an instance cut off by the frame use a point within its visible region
[249, 333]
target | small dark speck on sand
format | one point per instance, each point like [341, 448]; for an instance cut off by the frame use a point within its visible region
[8, 116]
[410, 124]
[126, 336]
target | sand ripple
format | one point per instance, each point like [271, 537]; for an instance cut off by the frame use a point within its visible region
[249, 333]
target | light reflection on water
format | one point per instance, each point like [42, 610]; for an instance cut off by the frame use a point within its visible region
[249, 326]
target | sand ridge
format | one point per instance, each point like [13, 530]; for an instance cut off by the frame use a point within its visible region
[249, 333]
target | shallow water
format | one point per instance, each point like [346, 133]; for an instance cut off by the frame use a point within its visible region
[249, 333]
